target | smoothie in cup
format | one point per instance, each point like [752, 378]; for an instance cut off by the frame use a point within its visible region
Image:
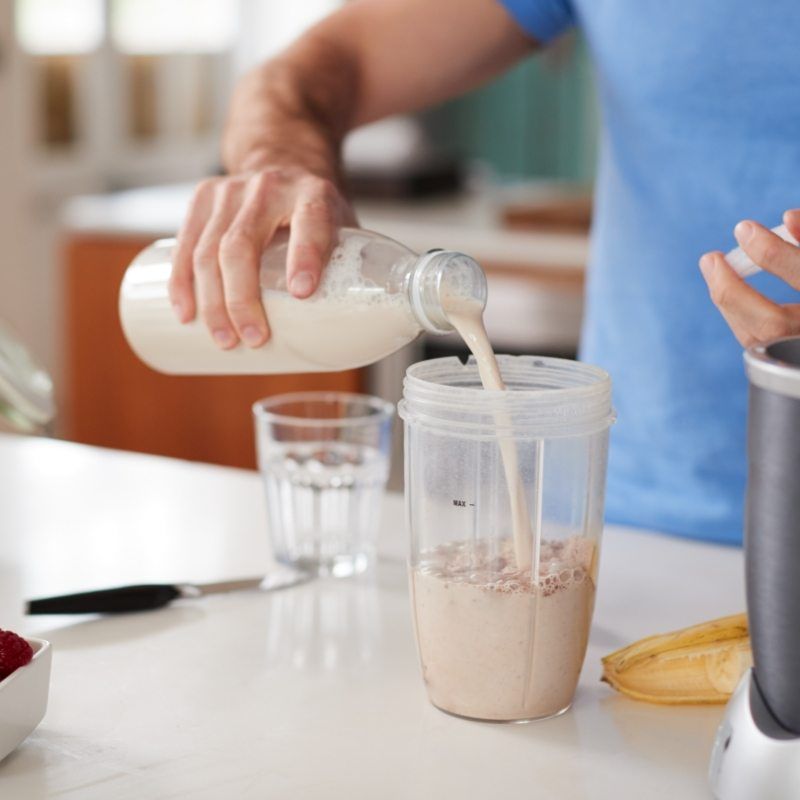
[500, 637]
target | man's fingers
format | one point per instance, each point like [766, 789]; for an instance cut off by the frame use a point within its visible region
[791, 219]
[207, 277]
[231, 221]
[313, 234]
[240, 256]
[769, 251]
[752, 317]
[181, 284]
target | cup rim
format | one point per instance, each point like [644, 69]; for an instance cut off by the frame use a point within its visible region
[383, 409]
[435, 396]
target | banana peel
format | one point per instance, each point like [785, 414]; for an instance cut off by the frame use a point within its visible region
[700, 664]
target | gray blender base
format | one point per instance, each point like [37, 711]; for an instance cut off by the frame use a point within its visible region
[754, 758]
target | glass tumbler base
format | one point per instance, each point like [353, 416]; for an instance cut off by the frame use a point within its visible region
[341, 566]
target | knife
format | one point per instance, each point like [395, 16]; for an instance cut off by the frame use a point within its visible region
[148, 596]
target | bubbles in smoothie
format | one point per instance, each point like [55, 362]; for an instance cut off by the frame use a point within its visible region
[491, 565]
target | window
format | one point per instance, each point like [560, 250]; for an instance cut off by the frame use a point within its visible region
[269, 25]
[178, 26]
[121, 79]
[59, 27]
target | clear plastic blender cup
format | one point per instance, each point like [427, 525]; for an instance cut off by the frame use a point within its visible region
[500, 640]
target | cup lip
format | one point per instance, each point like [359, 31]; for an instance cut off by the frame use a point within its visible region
[596, 376]
[535, 412]
[384, 410]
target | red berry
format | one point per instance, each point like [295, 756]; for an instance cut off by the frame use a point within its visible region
[15, 652]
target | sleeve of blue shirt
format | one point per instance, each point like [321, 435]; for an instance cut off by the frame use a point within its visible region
[541, 19]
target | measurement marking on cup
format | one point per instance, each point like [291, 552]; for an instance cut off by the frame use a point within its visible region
[463, 504]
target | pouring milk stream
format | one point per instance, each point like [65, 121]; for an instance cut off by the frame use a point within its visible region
[466, 317]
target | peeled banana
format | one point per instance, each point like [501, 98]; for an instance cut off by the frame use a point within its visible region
[701, 664]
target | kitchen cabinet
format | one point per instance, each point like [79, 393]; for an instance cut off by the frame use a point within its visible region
[112, 399]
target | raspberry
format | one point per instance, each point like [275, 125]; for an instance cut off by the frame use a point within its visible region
[15, 652]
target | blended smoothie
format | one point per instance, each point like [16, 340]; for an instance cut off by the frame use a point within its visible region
[494, 644]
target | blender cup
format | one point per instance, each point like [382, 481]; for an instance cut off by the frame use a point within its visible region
[501, 609]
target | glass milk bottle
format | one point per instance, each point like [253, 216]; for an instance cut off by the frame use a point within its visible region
[375, 296]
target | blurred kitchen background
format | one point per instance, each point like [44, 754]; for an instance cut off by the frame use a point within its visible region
[111, 109]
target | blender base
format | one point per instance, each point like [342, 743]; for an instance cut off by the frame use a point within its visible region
[754, 757]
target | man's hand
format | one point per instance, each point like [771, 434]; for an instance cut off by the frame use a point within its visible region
[230, 222]
[282, 142]
[753, 318]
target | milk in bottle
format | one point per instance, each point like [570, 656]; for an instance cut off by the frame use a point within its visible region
[375, 296]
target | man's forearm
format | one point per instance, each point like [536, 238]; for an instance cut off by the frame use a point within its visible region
[281, 147]
[369, 59]
[294, 110]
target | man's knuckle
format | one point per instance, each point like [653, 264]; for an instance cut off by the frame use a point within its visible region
[268, 180]
[181, 264]
[203, 192]
[328, 191]
[309, 250]
[324, 187]
[239, 306]
[775, 326]
[771, 252]
[212, 311]
[317, 208]
[208, 313]
[720, 295]
[227, 191]
[206, 187]
[203, 258]
[263, 182]
[178, 281]
[747, 339]
[236, 244]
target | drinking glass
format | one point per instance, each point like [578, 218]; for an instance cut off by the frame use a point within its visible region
[324, 458]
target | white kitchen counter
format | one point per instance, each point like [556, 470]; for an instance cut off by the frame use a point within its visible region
[313, 692]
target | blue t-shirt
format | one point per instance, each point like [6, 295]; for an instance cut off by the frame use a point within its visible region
[701, 128]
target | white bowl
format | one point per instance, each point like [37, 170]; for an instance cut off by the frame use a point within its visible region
[23, 698]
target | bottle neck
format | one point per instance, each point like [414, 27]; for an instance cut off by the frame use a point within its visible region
[438, 278]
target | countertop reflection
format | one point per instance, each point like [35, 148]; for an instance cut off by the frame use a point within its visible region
[334, 624]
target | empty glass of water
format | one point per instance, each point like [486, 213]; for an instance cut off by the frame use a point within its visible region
[324, 458]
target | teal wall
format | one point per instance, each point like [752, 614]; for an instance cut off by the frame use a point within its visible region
[538, 120]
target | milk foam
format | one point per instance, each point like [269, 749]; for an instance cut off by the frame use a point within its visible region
[343, 278]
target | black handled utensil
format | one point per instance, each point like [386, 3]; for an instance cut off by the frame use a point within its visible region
[148, 596]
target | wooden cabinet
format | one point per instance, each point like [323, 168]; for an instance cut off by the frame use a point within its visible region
[113, 400]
